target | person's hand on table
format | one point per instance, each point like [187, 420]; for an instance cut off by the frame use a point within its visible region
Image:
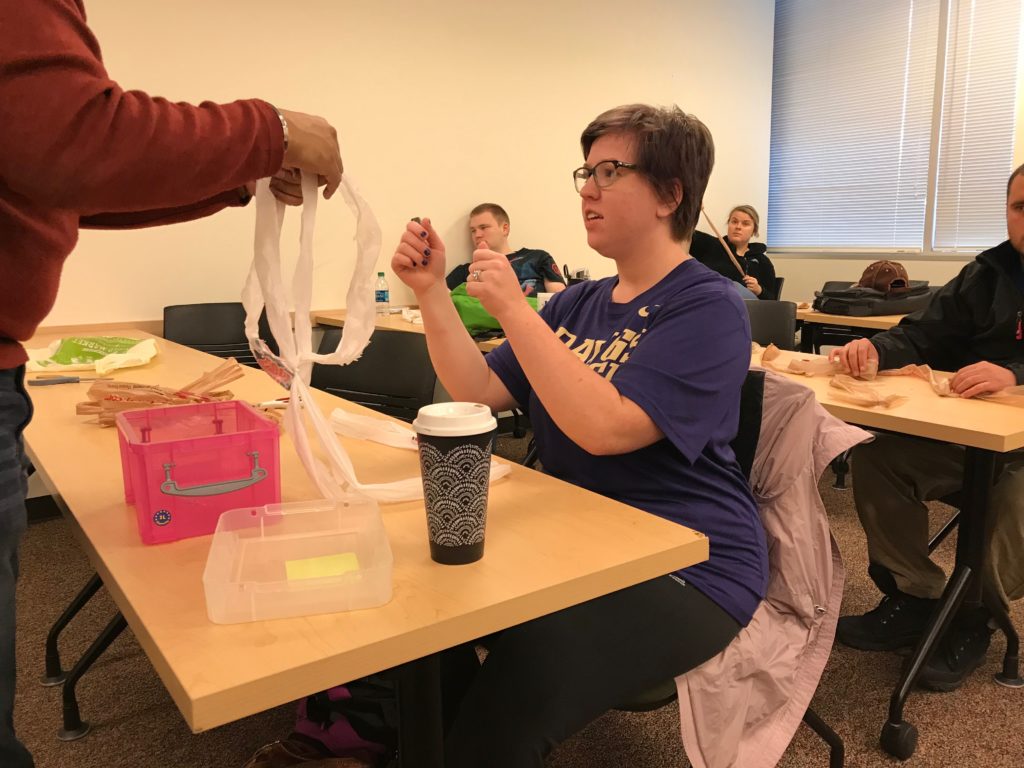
[981, 379]
[419, 258]
[313, 148]
[494, 282]
[855, 356]
[752, 285]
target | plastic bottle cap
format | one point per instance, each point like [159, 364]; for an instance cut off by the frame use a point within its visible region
[380, 274]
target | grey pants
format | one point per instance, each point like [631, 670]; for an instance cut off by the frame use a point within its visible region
[15, 411]
[893, 477]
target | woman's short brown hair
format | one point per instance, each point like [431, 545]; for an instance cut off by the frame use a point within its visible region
[673, 147]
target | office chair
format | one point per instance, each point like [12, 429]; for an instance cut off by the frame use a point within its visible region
[394, 375]
[216, 328]
[778, 287]
[744, 445]
[773, 322]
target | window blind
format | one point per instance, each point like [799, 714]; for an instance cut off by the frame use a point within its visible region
[977, 130]
[864, 155]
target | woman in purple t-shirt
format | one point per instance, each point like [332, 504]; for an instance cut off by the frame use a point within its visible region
[632, 385]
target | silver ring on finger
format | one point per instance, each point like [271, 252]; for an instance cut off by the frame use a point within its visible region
[475, 275]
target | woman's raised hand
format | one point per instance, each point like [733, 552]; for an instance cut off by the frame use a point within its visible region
[419, 258]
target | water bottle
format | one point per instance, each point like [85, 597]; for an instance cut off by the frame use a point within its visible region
[381, 295]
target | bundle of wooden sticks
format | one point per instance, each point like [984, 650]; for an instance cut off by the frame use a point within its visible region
[108, 398]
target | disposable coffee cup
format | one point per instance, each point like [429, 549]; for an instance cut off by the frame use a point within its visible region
[455, 458]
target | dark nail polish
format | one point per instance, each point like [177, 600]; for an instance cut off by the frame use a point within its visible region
[423, 234]
[425, 262]
[426, 251]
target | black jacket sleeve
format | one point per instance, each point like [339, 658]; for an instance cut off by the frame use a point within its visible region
[930, 335]
[760, 267]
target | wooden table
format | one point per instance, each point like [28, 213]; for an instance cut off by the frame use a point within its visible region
[550, 545]
[394, 322]
[813, 320]
[984, 428]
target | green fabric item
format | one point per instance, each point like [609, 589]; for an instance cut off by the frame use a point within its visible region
[472, 312]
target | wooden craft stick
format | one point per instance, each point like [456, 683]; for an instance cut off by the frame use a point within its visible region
[725, 245]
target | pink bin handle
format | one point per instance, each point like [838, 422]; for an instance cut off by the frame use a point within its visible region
[170, 487]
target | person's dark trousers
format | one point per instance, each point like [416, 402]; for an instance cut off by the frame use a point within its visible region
[15, 412]
[544, 680]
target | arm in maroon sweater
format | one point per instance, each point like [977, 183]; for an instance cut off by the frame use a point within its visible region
[160, 216]
[72, 138]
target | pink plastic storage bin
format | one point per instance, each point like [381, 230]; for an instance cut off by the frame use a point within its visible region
[186, 464]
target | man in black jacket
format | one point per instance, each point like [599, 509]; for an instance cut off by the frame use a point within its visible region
[972, 326]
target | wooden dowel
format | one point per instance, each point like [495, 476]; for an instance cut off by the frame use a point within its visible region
[725, 245]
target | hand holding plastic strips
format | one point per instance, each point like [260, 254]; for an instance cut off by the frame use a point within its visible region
[292, 368]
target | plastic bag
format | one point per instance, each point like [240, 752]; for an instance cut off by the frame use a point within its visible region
[92, 353]
[472, 312]
[335, 477]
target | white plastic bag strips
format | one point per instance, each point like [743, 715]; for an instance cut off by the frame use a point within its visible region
[389, 433]
[336, 478]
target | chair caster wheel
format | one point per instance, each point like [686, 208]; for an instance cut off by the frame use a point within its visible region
[899, 739]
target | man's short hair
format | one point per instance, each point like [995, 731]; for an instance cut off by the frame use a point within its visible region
[1019, 170]
[672, 146]
[492, 208]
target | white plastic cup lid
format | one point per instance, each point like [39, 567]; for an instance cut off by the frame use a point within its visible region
[454, 420]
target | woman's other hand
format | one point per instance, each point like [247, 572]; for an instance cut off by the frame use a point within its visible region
[419, 258]
[493, 281]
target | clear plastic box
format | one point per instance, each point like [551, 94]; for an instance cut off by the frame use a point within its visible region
[297, 559]
[184, 465]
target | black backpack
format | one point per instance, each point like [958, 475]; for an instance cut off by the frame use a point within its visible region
[844, 298]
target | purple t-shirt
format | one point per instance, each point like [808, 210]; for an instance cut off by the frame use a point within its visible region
[680, 351]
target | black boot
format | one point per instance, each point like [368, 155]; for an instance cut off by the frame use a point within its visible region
[897, 622]
[961, 651]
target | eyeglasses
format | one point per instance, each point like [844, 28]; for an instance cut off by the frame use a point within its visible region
[604, 173]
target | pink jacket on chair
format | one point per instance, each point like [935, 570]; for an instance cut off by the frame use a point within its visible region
[742, 707]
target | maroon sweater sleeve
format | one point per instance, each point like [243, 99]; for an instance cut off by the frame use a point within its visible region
[159, 216]
[73, 139]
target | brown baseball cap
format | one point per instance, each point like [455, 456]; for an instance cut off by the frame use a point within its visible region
[888, 277]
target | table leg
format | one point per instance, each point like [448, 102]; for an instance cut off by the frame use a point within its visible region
[420, 729]
[54, 674]
[899, 737]
[807, 337]
[74, 728]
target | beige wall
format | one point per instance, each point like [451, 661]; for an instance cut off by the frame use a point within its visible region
[439, 106]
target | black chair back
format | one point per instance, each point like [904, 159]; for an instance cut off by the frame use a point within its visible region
[779, 281]
[394, 375]
[216, 328]
[744, 445]
[773, 322]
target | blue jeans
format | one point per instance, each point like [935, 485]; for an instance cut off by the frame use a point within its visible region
[15, 412]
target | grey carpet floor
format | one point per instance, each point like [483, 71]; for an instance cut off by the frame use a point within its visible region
[136, 724]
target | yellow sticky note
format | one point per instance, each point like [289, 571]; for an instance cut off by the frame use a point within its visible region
[320, 567]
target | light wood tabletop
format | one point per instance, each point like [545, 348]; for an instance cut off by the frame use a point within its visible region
[549, 545]
[394, 322]
[975, 423]
[877, 322]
